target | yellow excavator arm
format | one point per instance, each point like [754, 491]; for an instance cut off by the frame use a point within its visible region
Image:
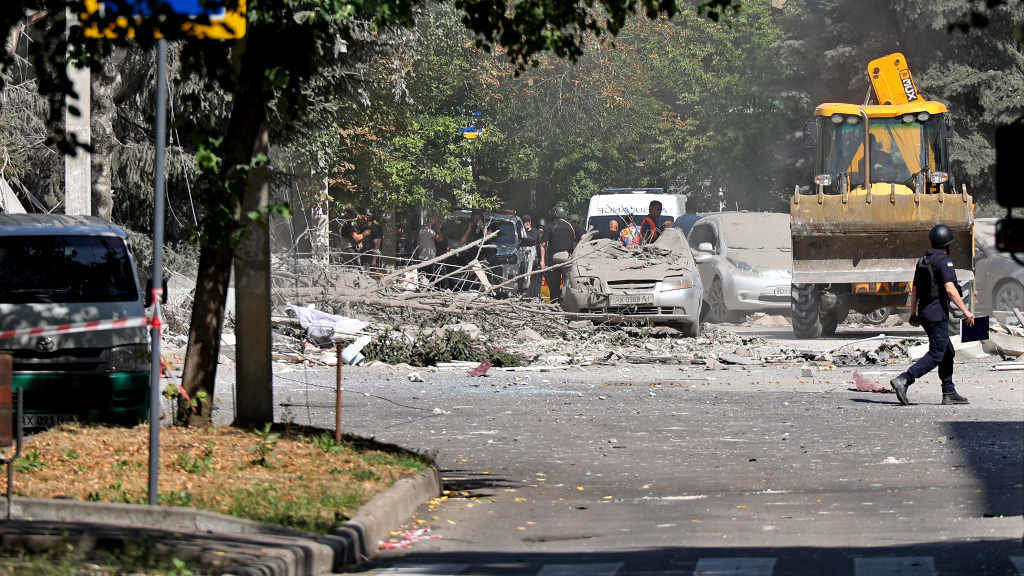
[892, 81]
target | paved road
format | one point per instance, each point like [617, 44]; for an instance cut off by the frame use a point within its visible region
[683, 470]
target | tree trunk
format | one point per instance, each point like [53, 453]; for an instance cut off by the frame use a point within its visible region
[254, 404]
[105, 85]
[243, 140]
[200, 374]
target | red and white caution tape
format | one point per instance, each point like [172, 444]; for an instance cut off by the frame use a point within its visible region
[93, 326]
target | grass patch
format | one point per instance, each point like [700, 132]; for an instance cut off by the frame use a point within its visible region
[296, 478]
[68, 561]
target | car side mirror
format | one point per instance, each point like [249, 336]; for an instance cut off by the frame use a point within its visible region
[701, 257]
[148, 296]
[706, 247]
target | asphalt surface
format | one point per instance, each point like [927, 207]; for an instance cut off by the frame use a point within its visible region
[642, 469]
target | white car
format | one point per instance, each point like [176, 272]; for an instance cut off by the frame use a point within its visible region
[745, 261]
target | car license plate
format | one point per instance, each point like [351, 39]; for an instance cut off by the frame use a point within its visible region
[45, 420]
[631, 299]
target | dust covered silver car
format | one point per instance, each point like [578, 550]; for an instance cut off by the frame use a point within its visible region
[746, 262]
[657, 282]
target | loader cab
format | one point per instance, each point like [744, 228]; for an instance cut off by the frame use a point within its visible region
[889, 149]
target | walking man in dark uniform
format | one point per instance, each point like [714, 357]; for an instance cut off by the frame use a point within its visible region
[935, 286]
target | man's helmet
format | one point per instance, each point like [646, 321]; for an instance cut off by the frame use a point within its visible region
[940, 236]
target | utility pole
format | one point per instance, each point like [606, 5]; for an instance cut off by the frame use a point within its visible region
[77, 168]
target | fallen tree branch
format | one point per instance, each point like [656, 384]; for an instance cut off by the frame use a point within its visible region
[385, 280]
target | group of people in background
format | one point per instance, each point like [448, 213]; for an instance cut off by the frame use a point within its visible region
[361, 238]
[650, 227]
[544, 245]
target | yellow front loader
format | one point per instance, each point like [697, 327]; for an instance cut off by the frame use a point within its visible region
[882, 180]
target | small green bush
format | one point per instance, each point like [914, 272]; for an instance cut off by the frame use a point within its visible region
[393, 347]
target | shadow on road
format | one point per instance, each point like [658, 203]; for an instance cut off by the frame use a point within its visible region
[995, 453]
[480, 484]
[978, 558]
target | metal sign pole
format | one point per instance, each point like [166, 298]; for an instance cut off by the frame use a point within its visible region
[158, 269]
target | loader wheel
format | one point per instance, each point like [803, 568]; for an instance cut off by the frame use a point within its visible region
[829, 324]
[804, 306]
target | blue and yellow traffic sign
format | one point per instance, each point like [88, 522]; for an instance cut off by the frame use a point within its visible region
[223, 24]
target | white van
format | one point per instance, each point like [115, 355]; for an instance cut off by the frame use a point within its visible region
[57, 269]
[631, 204]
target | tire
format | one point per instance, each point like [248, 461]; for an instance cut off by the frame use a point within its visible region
[715, 309]
[804, 307]
[693, 330]
[1007, 295]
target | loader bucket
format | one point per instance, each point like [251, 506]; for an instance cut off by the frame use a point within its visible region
[878, 237]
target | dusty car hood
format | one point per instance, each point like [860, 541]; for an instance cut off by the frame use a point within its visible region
[765, 262]
[611, 261]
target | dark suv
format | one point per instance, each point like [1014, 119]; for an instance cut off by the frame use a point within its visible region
[503, 256]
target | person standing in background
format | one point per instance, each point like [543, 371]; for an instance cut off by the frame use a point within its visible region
[540, 230]
[529, 254]
[558, 243]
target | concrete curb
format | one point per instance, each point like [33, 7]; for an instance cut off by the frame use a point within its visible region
[388, 510]
[307, 553]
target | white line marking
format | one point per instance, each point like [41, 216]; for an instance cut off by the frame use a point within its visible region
[423, 570]
[1018, 563]
[895, 566]
[734, 567]
[606, 569]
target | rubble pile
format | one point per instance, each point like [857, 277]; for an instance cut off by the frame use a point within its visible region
[889, 351]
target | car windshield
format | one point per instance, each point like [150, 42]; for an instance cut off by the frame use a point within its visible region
[756, 231]
[65, 269]
[506, 232]
[456, 226]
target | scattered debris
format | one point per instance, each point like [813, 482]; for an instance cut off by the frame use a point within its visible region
[415, 377]
[863, 385]
[1004, 345]
[352, 354]
[763, 319]
[481, 370]
[529, 335]
[888, 352]
[406, 538]
[738, 360]
[321, 327]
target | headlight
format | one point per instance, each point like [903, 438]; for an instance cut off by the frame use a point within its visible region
[131, 358]
[676, 283]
